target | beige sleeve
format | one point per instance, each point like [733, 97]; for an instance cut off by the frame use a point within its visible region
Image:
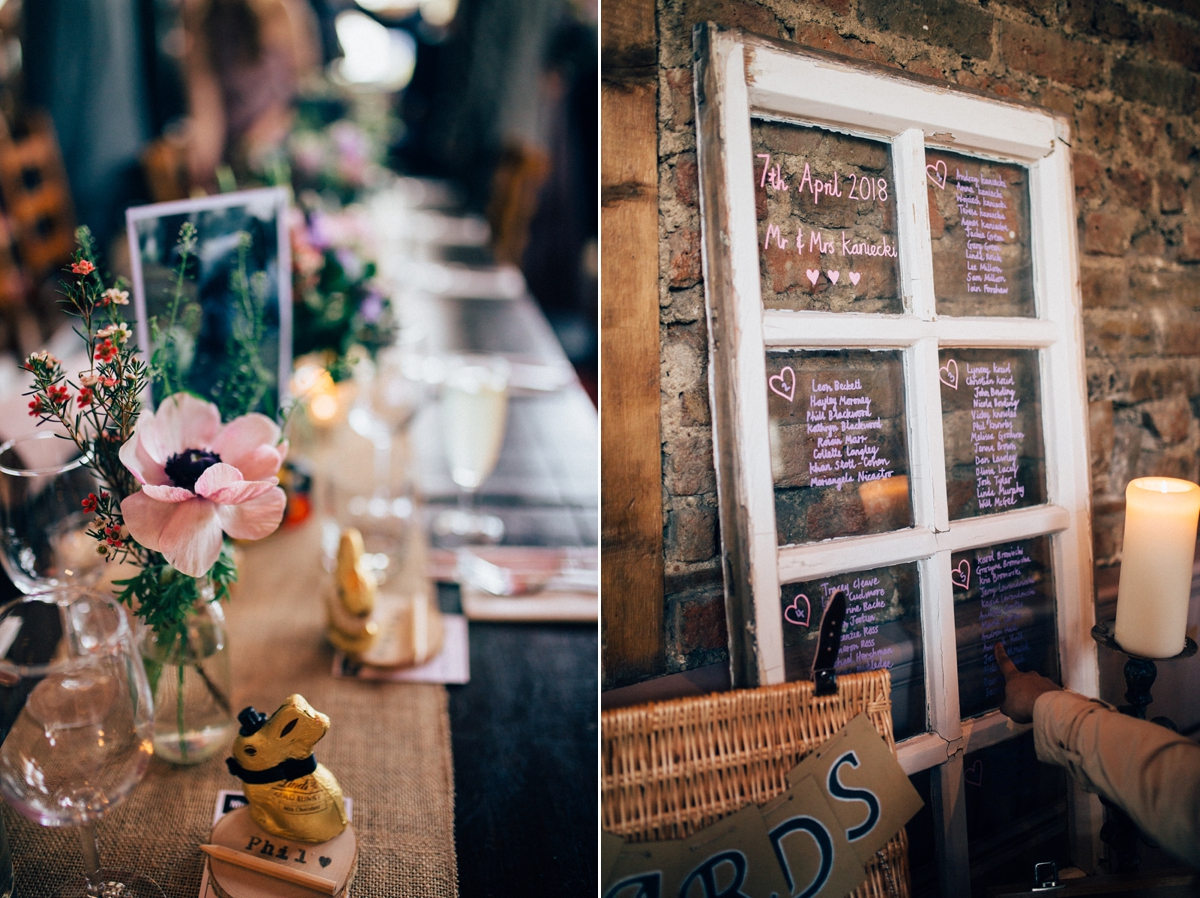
[1149, 771]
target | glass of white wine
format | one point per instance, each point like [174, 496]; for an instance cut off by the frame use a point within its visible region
[76, 720]
[474, 413]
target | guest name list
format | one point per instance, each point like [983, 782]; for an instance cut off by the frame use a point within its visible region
[984, 214]
[841, 418]
[1005, 582]
[865, 598]
[994, 437]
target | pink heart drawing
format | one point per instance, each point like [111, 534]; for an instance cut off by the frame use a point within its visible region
[813, 274]
[834, 275]
[937, 173]
[948, 374]
[854, 277]
[794, 614]
[974, 774]
[784, 386]
[961, 575]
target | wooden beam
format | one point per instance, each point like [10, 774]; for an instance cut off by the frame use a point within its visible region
[631, 442]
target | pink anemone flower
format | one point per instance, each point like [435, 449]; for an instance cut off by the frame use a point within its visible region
[201, 480]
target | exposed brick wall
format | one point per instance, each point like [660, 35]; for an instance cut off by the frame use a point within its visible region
[1125, 75]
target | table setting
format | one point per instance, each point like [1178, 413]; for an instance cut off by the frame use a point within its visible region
[439, 459]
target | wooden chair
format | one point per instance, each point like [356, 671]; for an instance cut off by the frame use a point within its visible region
[515, 186]
[37, 198]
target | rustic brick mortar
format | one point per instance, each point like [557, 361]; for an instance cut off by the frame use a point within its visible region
[1125, 76]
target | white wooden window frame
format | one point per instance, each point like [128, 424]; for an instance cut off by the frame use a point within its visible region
[740, 76]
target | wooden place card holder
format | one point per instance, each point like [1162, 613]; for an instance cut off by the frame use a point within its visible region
[335, 861]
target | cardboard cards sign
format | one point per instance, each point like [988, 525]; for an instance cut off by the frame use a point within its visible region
[844, 802]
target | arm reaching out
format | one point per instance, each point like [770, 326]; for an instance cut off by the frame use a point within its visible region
[1151, 772]
[1021, 690]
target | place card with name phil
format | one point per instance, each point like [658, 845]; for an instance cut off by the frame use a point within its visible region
[229, 800]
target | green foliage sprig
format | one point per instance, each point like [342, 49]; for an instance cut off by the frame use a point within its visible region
[99, 408]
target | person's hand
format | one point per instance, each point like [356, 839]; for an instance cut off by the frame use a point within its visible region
[1020, 689]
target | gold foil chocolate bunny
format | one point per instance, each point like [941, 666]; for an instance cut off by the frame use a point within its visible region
[401, 627]
[351, 628]
[290, 794]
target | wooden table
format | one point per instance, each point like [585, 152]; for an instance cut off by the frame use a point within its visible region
[524, 730]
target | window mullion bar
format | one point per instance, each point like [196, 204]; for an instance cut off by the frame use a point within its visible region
[912, 213]
[939, 647]
[786, 328]
[974, 533]
[833, 557]
[927, 458]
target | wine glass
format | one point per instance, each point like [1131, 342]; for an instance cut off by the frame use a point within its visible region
[43, 527]
[388, 401]
[386, 406]
[77, 722]
[474, 413]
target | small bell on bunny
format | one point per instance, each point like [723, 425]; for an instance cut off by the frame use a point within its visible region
[290, 794]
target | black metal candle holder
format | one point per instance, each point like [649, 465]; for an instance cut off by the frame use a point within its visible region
[1119, 832]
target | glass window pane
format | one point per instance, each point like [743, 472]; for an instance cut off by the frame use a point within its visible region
[1002, 593]
[839, 443]
[1016, 814]
[882, 629]
[826, 205]
[992, 430]
[922, 843]
[979, 225]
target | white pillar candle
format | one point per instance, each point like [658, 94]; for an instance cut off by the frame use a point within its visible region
[1156, 565]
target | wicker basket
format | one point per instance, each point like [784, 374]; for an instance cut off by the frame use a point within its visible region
[669, 769]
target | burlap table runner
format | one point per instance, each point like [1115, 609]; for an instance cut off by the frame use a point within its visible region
[388, 745]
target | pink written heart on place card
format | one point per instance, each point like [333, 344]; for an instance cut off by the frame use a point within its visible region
[834, 275]
[795, 613]
[937, 173]
[813, 274]
[854, 277]
[961, 575]
[784, 383]
[948, 374]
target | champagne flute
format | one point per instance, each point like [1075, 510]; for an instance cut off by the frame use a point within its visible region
[77, 722]
[43, 527]
[474, 413]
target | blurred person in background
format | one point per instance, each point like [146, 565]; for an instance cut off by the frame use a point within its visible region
[244, 63]
[85, 63]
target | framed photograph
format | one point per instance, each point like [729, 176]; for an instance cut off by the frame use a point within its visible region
[233, 308]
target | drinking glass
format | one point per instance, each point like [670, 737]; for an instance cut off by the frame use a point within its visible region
[387, 402]
[386, 406]
[43, 527]
[474, 413]
[77, 722]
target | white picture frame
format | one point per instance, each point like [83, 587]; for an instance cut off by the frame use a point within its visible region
[738, 77]
[153, 231]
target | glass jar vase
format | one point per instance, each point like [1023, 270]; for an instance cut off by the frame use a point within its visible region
[189, 672]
